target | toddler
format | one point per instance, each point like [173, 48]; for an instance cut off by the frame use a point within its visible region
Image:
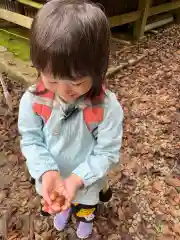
[71, 125]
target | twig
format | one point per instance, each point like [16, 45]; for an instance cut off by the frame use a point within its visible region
[125, 49]
[116, 179]
[114, 70]
[153, 31]
[6, 93]
[121, 41]
[131, 62]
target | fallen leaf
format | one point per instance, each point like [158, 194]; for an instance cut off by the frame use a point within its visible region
[157, 186]
[175, 182]
[46, 235]
[114, 237]
[176, 228]
[167, 231]
[3, 195]
[3, 159]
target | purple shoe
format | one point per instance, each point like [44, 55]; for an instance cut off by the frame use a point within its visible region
[61, 219]
[84, 230]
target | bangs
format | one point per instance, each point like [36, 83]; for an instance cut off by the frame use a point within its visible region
[62, 60]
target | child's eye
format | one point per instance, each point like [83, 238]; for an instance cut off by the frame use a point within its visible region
[52, 82]
[76, 84]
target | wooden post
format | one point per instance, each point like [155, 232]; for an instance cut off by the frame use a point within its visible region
[139, 27]
[176, 14]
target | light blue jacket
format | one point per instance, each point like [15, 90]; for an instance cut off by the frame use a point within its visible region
[69, 147]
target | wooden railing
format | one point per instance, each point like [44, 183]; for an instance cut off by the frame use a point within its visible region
[139, 17]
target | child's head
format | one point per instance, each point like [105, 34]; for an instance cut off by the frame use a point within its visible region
[70, 47]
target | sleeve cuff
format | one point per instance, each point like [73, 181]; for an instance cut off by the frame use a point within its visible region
[87, 178]
[39, 172]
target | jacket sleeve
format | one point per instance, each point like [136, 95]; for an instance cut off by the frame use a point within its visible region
[107, 149]
[30, 125]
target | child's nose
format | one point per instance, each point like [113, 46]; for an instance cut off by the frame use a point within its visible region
[70, 89]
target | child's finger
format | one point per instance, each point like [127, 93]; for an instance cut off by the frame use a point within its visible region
[66, 205]
[45, 208]
[56, 207]
[53, 208]
[46, 197]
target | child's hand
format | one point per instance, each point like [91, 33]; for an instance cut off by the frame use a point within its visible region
[72, 185]
[54, 192]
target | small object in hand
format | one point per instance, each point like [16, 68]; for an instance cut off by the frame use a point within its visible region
[57, 203]
[59, 199]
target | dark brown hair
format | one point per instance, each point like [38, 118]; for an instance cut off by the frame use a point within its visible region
[70, 39]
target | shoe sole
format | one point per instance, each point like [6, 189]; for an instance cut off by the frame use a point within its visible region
[86, 236]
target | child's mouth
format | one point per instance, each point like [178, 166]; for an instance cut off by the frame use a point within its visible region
[74, 95]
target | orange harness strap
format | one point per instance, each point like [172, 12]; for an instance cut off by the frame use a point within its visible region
[93, 115]
[42, 109]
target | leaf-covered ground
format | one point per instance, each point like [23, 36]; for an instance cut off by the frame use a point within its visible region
[146, 185]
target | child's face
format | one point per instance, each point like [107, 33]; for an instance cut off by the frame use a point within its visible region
[68, 90]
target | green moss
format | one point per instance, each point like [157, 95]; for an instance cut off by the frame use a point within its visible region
[18, 46]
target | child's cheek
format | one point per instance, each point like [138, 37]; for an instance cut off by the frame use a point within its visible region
[52, 87]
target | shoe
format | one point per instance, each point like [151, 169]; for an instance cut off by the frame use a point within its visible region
[84, 230]
[61, 219]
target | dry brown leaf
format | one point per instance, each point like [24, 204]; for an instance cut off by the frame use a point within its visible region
[154, 204]
[3, 159]
[37, 236]
[14, 236]
[167, 231]
[120, 214]
[3, 195]
[176, 228]
[175, 182]
[157, 186]
[38, 225]
[46, 235]
[13, 158]
[177, 199]
[163, 209]
[162, 237]
[114, 237]
[174, 212]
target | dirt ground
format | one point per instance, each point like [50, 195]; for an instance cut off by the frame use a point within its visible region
[146, 185]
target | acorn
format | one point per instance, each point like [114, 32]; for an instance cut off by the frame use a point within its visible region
[59, 199]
